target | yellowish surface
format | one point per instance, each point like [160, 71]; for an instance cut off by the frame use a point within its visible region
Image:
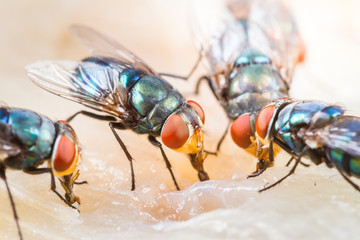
[316, 203]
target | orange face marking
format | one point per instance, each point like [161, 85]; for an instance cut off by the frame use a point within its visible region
[263, 120]
[65, 154]
[241, 131]
[175, 132]
[198, 109]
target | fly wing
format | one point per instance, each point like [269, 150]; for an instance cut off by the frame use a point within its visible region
[223, 32]
[103, 46]
[343, 134]
[87, 82]
[218, 36]
[275, 20]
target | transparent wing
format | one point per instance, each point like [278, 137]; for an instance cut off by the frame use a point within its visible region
[101, 45]
[279, 25]
[86, 82]
[218, 36]
[344, 134]
[222, 34]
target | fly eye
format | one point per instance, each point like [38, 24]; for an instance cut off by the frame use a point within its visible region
[175, 132]
[65, 154]
[241, 131]
[263, 120]
[198, 109]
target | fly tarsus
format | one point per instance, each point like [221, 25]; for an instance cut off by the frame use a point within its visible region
[92, 115]
[298, 159]
[262, 166]
[121, 126]
[156, 143]
[3, 177]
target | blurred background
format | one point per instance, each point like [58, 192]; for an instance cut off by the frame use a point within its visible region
[315, 203]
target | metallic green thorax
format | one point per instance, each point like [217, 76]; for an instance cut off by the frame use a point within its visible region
[154, 99]
[300, 114]
[35, 134]
[254, 82]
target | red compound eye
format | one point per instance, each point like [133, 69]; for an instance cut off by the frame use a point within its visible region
[263, 120]
[198, 109]
[241, 131]
[175, 132]
[65, 154]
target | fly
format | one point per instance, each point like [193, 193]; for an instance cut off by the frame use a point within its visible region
[117, 82]
[250, 54]
[27, 140]
[312, 129]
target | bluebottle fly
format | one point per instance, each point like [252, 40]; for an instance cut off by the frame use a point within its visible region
[117, 82]
[312, 129]
[250, 52]
[28, 139]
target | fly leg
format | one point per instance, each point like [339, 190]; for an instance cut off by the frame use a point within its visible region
[80, 183]
[156, 143]
[346, 169]
[289, 151]
[119, 125]
[36, 171]
[263, 165]
[183, 77]
[214, 92]
[112, 125]
[290, 160]
[354, 185]
[92, 115]
[222, 138]
[297, 161]
[3, 177]
[212, 87]
[301, 162]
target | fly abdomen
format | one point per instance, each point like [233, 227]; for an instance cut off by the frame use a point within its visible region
[341, 140]
[344, 161]
[33, 132]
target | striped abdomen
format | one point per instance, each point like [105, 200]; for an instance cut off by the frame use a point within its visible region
[343, 150]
